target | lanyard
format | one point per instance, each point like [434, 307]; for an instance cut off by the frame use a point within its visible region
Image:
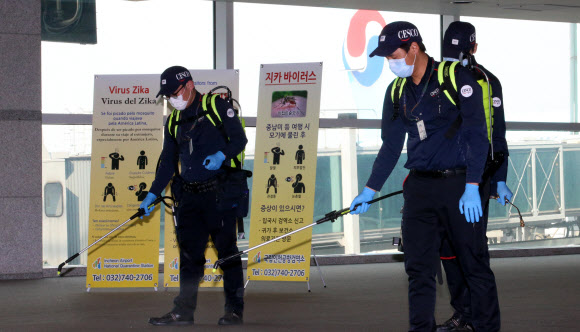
[420, 98]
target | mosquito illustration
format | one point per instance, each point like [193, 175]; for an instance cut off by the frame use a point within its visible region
[288, 101]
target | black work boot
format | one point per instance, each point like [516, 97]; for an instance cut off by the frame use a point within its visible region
[171, 319]
[455, 323]
[231, 318]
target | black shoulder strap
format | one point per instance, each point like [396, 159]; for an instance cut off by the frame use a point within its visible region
[447, 86]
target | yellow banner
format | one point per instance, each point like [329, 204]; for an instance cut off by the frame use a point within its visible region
[126, 144]
[283, 182]
[205, 81]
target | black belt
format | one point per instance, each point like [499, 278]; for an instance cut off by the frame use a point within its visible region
[439, 173]
[200, 187]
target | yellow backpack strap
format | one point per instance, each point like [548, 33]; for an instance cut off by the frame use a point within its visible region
[204, 103]
[214, 117]
[487, 95]
[446, 78]
[240, 158]
[214, 108]
[396, 92]
[172, 122]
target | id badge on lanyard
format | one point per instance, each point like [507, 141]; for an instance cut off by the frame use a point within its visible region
[421, 128]
[420, 123]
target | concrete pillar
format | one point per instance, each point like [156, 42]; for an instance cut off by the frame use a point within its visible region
[21, 140]
[223, 35]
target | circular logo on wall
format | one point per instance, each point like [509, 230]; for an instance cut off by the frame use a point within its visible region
[356, 42]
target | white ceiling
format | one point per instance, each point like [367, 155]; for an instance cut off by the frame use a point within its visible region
[540, 10]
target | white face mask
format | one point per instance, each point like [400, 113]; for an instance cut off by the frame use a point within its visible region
[178, 103]
[400, 68]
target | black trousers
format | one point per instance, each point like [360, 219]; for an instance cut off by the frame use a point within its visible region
[431, 213]
[197, 220]
[458, 290]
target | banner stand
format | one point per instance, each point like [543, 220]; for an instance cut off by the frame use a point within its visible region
[319, 270]
[127, 132]
[284, 183]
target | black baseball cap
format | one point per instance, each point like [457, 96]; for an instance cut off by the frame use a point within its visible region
[459, 38]
[172, 78]
[394, 35]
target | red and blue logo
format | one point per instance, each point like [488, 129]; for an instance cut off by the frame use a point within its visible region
[174, 265]
[97, 264]
[258, 257]
[364, 69]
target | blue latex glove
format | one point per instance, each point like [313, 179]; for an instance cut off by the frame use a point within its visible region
[471, 202]
[146, 202]
[214, 161]
[365, 196]
[503, 192]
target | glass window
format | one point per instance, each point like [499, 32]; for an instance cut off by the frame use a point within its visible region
[68, 140]
[541, 175]
[352, 84]
[340, 38]
[535, 84]
[133, 37]
[53, 197]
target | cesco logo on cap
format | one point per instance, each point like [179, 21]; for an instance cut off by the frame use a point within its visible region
[407, 33]
[472, 37]
[182, 75]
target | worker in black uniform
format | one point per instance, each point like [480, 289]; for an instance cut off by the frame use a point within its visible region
[459, 44]
[442, 194]
[202, 149]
